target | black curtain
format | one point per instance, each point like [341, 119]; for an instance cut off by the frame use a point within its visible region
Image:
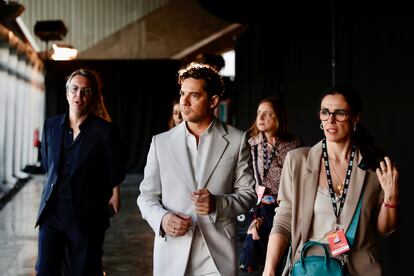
[138, 95]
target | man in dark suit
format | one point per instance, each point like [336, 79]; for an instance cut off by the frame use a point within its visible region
[81, 153]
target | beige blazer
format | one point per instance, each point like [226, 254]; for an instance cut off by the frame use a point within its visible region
[298, 188]
[168, 181]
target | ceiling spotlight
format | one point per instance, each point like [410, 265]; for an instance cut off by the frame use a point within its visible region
[48, 30]
[63, 51]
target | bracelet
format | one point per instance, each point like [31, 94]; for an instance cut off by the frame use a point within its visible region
[387, 205]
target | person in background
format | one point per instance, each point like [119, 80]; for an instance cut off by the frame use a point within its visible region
[176, 117]
[321, 186]
[215, 60]
[270, 141]
[82, 156]
[115, 200]
[197, 180]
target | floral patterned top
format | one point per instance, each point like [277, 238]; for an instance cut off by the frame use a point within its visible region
[269, 175]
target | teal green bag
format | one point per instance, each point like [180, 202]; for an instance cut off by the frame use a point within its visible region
[316, 265]
[325, 265]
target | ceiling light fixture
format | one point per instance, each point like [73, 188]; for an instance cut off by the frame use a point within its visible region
[63, 52]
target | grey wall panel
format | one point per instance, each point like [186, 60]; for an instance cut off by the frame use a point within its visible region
[88, 21]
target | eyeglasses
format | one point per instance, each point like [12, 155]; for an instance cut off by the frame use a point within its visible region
[339, 115]
[84, 91]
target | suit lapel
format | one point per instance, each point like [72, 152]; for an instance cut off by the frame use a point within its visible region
[56, 137]
[88, 140]
[310, 187]
[355, 188]
[180, 155]
[218, 146]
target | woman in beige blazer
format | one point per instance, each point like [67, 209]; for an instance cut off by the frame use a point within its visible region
[342, 167]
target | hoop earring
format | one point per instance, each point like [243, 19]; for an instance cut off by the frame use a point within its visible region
[321, 126]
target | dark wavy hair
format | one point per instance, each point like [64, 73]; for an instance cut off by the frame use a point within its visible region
[171, 120]
[214, 83]
[362, 138]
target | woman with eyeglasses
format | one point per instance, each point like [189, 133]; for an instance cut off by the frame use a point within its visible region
[321, 187]
[269, 141]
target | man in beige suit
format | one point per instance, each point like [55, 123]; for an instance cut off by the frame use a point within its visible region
[197, 179]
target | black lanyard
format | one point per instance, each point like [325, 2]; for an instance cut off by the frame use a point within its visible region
[259, 179]
[329, 178]
[267, 158]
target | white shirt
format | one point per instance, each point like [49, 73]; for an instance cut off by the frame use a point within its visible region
[200, 261]
[198, 153]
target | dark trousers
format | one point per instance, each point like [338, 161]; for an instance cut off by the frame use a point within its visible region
[57, 232]
[253, 252]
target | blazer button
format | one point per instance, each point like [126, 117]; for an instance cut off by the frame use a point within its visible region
[53, 184]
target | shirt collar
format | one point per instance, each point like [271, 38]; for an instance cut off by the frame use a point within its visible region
[87, 122]
[206, 132]
[83, 126]
[255, 140]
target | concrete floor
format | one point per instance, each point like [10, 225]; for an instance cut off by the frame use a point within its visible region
[128, 243]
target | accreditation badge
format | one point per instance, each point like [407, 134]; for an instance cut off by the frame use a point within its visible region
[338, 243]
[260, 191]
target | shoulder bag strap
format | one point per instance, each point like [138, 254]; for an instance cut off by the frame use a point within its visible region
[350, 233]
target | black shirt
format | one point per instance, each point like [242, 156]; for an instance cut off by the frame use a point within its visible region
[70, 150]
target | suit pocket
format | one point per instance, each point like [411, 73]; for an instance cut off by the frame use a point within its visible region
[230, 230]
[374, 256]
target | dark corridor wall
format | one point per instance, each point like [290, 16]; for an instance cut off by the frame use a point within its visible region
[138, 95]
[289, 50]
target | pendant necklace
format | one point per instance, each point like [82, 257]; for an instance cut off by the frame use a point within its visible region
[337, 209]
[340, 184]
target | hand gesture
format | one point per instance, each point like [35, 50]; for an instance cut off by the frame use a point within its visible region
[176, 224]
[388, 177]
[115, 201]
[204, 201]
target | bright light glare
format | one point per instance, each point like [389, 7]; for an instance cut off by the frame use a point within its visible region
[229, 70]
[63, 53]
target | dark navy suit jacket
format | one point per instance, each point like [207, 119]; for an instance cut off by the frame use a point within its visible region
[98, 168]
